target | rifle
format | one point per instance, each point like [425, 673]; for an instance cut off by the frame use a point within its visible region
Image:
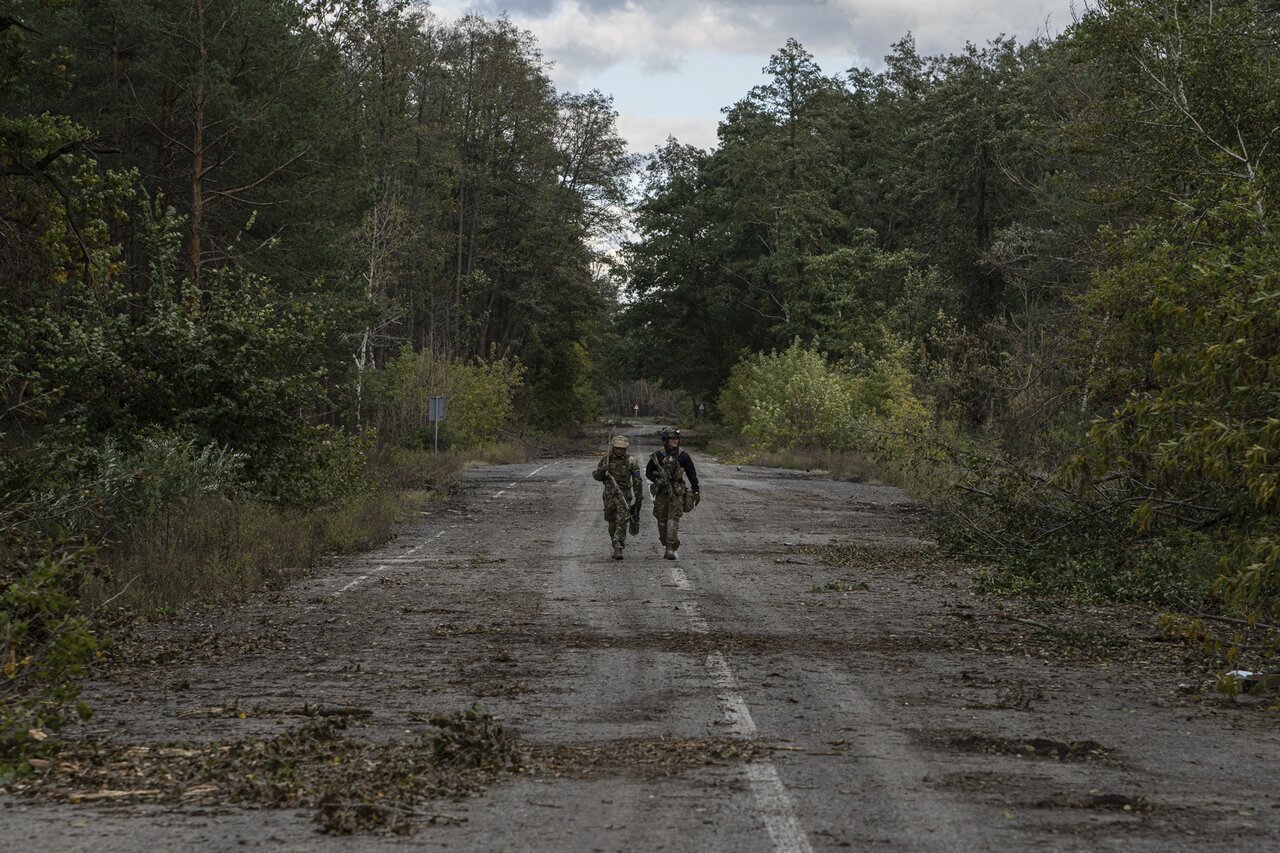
[671, 489]
[633, 510]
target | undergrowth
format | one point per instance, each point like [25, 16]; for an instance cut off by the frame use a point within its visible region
[166, 535]
[1177, 571]
[845, 464]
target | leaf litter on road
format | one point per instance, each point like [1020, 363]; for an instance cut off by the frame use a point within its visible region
[352, 784]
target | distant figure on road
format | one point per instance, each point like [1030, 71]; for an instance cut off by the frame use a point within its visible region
[620, 473]
[672, 495]
[636, 408]
[702, 411]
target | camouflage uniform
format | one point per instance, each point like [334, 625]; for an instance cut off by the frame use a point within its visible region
[620, 474]
[667, 469]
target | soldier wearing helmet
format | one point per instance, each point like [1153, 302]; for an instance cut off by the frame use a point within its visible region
[623, 491]
[675, 489]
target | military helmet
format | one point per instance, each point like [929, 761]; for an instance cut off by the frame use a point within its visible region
[668, 434]
[621, 441]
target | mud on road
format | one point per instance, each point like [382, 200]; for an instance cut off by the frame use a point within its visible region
[808, 675]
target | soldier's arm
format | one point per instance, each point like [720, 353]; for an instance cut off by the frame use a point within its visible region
[637, 482]
[689, 471]
[598, 474]
[651, 469]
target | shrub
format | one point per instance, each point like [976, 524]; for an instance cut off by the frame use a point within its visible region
[45, 638]
[480, 398]
[797, 399]
[793, 399]
[1198, 446]
[227, 548]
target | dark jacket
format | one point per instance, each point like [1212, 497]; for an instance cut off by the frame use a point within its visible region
[651, 470]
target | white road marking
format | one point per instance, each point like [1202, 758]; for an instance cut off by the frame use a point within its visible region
[531, 473]
[773, 803]
[735, 707]
[384, 566]
[681, 579]
[776, 808]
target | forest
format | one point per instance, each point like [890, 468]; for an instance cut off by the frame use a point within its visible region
[243, 241]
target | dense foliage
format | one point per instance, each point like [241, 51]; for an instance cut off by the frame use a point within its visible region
[1067, 249]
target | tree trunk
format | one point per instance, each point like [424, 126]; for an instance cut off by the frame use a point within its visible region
[195, 250]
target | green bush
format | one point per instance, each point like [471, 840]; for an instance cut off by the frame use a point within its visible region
[1175, 571]
[226, 548]
[797, 399]
[480, 399]
[1198, 446]
[45, 637]
[158, 477]
[793, 398]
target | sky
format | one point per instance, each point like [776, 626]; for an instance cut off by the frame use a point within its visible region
[672, 65]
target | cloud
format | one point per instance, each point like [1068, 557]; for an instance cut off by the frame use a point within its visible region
[588, 35]
[645, 133]
[672, 64]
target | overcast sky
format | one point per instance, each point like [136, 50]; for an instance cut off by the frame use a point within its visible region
[671, 65]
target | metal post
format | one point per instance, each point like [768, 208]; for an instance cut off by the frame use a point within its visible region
[435, 414]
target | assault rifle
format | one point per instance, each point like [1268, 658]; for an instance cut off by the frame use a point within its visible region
[633, 508]
[671, 489]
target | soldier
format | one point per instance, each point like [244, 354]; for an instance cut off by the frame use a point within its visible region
[672, 496]
[620, 473]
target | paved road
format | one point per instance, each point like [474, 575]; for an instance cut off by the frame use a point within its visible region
[887, 692]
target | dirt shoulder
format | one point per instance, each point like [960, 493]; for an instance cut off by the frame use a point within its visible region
[809, 672]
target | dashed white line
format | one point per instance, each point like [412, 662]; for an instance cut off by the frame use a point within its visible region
[384, 566]
[680, 578]
[531, 473]
[776, 808]
[772, 801]
[735, 707]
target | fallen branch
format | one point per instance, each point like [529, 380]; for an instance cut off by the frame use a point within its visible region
[329, 711]
[403, 811]
[1227, 620]
[1022, 621]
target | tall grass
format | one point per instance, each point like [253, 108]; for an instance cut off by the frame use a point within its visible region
[211, 548]
[835, 463]
[206, 547]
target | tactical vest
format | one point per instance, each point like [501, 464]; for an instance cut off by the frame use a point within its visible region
[675, 473]
[620, 469]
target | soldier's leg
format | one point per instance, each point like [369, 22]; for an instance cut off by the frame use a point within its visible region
[660, 513]
[673, 524]
[611, 516]
[621, 516]
[617, 514]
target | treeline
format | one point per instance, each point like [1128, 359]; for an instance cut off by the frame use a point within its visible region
[241, 243]
[1037, 282]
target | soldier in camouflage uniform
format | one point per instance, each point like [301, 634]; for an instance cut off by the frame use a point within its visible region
[623, 491]
[668, 470]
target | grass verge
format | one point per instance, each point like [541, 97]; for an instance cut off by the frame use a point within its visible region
[841, 464]
[211, 547]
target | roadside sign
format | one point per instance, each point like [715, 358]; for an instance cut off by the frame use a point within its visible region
[435, 414]
[435, 409]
